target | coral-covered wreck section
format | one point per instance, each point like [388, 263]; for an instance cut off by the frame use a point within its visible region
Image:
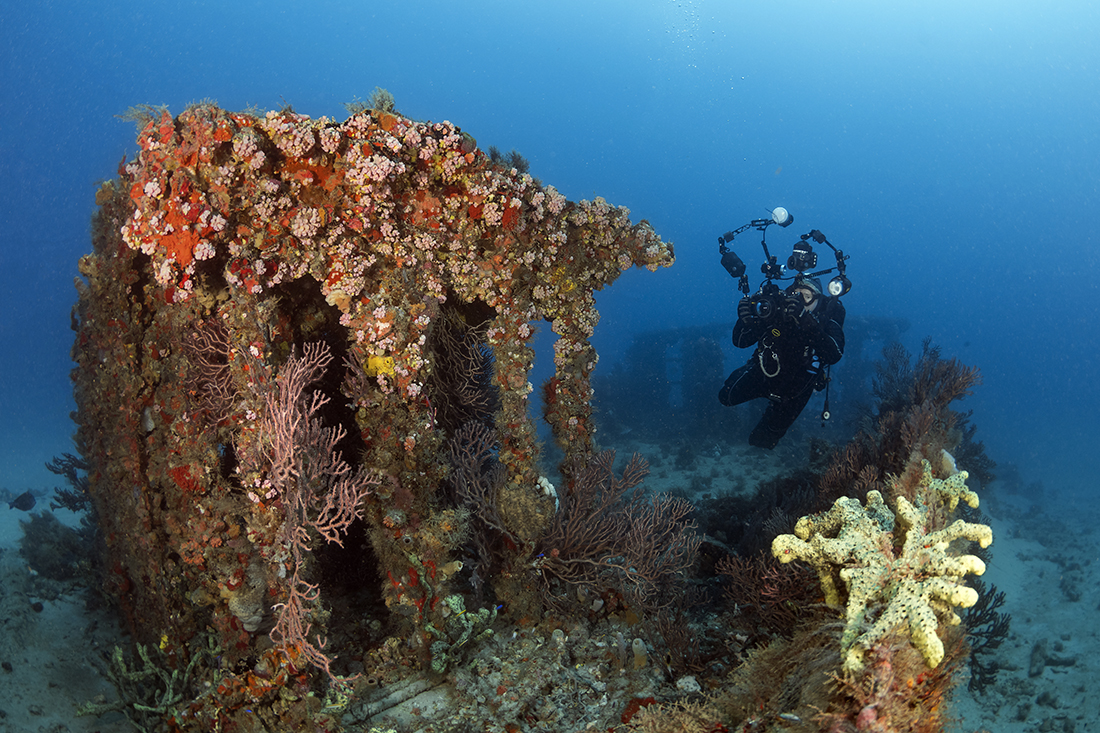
[283, 325]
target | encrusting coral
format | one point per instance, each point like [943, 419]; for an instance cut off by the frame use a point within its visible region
[917, 583]
[232, 243]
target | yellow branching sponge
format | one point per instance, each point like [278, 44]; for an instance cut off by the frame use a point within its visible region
[918, 583]
[951, 489]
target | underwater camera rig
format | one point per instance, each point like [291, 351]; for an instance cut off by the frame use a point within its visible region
[769, 299]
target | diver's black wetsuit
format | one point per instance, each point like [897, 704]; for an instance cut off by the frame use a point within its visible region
[782, 367]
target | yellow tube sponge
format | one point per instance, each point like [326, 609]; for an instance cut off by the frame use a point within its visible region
[917, 584]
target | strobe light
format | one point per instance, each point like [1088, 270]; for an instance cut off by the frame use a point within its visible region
[782, 217]
[839, 285]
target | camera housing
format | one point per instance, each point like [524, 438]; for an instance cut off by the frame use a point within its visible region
[768, 302]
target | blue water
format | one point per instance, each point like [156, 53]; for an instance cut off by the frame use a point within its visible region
[952, 149]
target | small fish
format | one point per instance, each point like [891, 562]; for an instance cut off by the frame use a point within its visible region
[24, 501]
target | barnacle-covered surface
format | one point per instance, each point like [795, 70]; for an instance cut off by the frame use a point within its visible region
[229, 243]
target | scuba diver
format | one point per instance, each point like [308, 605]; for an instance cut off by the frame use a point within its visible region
[798, 331]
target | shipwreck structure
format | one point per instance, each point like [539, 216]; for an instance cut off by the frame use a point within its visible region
[282, 325]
